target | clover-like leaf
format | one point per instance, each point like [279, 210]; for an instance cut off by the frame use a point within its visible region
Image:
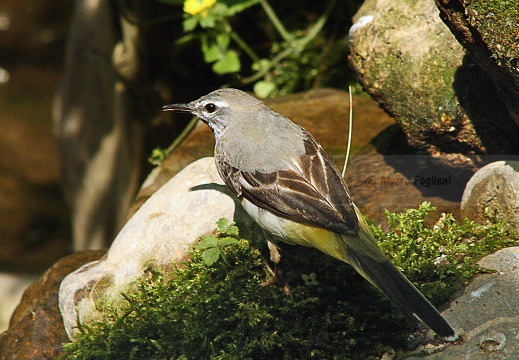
[207, 22]
[264, 88]
[230, 63]
[260, 64]
[210, 49]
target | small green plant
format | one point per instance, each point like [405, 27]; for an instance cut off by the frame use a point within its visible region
[212, 245]
[167, 318]
[158, 155]
[441, 257]
[289, 62]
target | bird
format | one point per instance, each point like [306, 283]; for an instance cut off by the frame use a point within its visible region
[289, 186]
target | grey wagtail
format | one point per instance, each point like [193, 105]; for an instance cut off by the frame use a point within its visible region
[288, 184]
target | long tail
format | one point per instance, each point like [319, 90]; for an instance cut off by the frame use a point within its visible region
[371, 263]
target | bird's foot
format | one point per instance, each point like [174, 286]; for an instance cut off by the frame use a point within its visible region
[277, 277]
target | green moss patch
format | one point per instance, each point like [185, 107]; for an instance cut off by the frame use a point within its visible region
[220, 311]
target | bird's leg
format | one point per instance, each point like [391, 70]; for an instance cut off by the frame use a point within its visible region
[277, 274]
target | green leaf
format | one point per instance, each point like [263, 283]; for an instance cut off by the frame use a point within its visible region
[210, 50]
[227, 241]
[264, 88]
[190, 23]
[207, 22]
[210, 256]
[229, 64]
[222, 224]
[157, 156]
[223, 40]
[186, 39]
[232, 230]
[260, 64]
[208, 242]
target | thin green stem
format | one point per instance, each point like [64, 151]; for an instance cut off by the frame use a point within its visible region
[241, 43]
[266, 69]
[296, 46]
[182, 136]
[276, 22]
[317, 27]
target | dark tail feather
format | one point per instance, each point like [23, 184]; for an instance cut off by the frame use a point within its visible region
[386, 277]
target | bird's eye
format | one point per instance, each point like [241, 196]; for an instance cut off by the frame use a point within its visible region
[210, 108]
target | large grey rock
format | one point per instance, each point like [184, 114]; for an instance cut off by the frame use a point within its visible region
[492, 194]
[410, 63]
[158, 235]
[487, 313]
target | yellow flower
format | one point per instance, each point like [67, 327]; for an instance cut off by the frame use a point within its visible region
[194, 7]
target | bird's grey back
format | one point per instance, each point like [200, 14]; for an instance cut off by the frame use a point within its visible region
[256, 137]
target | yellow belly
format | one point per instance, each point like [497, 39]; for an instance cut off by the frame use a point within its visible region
[295, 233]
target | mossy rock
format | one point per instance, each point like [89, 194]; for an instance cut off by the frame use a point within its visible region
[220, 311]
[411, 64]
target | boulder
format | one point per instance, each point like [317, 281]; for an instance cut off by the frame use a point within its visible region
[486, 314]
[408, 60]
[492, 194]
[155, 238]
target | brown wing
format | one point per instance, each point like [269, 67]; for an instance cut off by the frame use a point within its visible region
[311, 191]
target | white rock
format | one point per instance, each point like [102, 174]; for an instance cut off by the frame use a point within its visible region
[493, 194]
[158, 235]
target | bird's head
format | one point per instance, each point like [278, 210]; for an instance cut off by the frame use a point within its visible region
[219, 108]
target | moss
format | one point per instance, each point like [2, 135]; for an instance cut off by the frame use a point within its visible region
[497, 21]
[222, 312]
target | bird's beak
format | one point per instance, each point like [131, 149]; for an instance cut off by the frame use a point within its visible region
[181, 108]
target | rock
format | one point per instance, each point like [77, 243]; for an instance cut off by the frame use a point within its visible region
[488, 29]
[487, 313]
[158, 235]
[411, 64]
[398, 182]
[36, 329]
[492, 194]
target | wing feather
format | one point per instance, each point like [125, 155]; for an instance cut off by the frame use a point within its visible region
[311, 191]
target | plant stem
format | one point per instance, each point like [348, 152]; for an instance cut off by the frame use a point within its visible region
[241, 43]
[276, 22]
[266, 69]
[182, 136]
[296, 46]
[317, 27]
